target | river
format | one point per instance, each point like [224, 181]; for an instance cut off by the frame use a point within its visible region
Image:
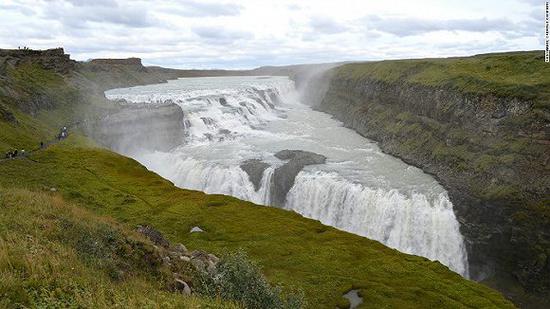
[359, 189]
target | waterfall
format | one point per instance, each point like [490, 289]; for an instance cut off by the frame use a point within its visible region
[360, 189]
[412, 224]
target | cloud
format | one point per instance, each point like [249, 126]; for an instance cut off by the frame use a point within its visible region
[190, 8]
[326, 25]
[220, 35]
[17, 8]
[415, 26]
[249, 33]
[107, 3]
[79, 14]
[538, 3]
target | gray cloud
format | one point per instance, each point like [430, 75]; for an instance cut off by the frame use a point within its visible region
[107, 3]
[220, 35]
[326, 25]
[17, 8]
[191, 8]
[78, 14]
[212, 33]
[414, 26]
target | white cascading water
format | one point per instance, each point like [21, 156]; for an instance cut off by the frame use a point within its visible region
[360, 189]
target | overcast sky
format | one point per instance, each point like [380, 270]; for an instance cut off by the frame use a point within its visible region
[251, 33]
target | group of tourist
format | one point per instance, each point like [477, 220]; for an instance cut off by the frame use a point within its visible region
[63, 133]
[15, 153]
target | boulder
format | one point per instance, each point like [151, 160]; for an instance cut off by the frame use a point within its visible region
[180, 248]
[196, 229]
[155, 236]
[182, 286]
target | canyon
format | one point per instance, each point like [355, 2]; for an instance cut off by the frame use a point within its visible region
[475, 136]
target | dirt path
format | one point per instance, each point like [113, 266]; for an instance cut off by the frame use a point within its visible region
[44, 146]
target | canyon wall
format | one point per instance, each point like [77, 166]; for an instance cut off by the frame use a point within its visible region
[137, 127]
[490, 149]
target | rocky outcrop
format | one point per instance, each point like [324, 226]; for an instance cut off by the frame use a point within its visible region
[255, 169]
[135, 127]
[33, 80]
[155, 236]
[119, 73]
[7, 115]
[179, 260]
[111, 61]
[51, 59]
[284, 176]
[490, 152]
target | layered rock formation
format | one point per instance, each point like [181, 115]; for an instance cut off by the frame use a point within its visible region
[121, 61]
[33, 80]
[51, 59]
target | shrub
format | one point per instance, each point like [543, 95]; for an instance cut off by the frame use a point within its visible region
[238, 279]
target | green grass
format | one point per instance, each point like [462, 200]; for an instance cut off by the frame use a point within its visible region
[298, 253]
[523, 74]
[51, 99]
[54, 254]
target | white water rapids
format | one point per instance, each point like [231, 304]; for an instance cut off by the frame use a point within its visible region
[360, 189]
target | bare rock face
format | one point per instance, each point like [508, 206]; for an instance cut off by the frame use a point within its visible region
[138, 127]
[255, 169]
[284, 176]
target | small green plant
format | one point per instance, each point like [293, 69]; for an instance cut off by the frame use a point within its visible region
[238, 279]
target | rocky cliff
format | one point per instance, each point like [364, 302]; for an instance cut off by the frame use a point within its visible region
[120, 73]
[480, 125]
[138, 127]
[33, 81]
[51, 59]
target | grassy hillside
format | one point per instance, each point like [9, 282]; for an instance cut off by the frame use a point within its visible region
[98, 191]
[54, 254]
[296, 252]
[523, 74]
